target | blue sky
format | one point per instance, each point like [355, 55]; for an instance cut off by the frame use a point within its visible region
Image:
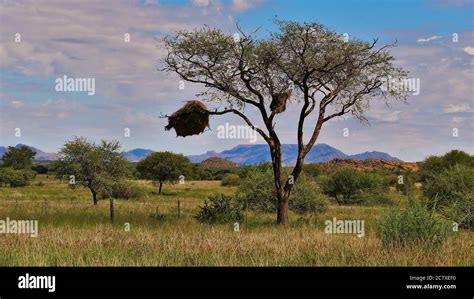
[85, 39]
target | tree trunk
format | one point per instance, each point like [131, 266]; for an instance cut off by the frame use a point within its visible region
[112, 215]
[160, 187]
[94, 196]
[282, 211]
[282, 196]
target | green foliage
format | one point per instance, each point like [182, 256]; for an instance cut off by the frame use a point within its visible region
[15, 178]
[350, 186]
[342, 185]
[434, 164]
[306, 197]
[415, 226]
[406, 183]
[312, 170]
[256, 192]
[163, 166]
[125, 189]
[451, 192]
[95, 166]
[195, 171]
[40, 169]
[230, 179]
[219, 209]
[18, 158]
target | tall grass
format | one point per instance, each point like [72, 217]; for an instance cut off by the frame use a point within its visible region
[72, 232]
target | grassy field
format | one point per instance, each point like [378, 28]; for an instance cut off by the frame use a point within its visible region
[73, 232]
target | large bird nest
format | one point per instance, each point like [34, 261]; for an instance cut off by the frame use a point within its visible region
[278, 104]
[191, 119]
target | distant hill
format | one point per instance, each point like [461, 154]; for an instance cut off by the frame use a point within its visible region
[137, 154]
[40, 155]
[245, 154]
[132, 155]
[216, 162]
[374, 155]
[371, 164]
[251, 154]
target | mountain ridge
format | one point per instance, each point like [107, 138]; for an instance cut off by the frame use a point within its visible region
[245, 154]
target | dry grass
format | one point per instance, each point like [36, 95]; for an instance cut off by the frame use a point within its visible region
[74, 232]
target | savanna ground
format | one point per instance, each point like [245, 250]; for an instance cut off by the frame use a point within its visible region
[73, 232]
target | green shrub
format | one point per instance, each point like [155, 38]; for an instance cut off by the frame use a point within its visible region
[40, 169]
[434, 164]
[312, 170]
[15, 178]
[415, 226]
[230, 179]
[306, 197]
[219, 209]
[451, 192]
[350, 186]
[127, 190]
[405, 183]
[256, 192]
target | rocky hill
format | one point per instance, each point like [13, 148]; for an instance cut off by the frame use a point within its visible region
[371, 164]
[216, 162]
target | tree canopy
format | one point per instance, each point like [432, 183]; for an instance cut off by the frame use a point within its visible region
[19, 158]
[163, 166]
[303, 63]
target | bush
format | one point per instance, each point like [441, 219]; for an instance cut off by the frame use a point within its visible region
[434, 164]
[306, 197]
[312, 170]
[350, 186]
[415, 226]
[256, 192]
[40, 169]
[451, 192]
[127, 190]
[219, 209]
[15, 178]
[407, 185]
[230, 179]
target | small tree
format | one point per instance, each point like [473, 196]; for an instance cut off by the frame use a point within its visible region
[433, 165]
[19, 158]
[94, 166]
[305, 63]
[163, 167]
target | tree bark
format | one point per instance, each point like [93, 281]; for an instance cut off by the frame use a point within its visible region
[112, 214]
[160, 187]
[94, 196]
[282, 211]
[282, 196]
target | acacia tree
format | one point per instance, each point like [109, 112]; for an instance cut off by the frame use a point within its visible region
[326, 75]
[19, 158]
[163, 166]
[94, 166]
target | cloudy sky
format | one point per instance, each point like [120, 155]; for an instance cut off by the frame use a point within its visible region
[43, 40]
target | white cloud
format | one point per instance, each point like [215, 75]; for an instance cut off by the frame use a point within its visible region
[469, 50]
[428, 39]
[392, 117]
[243, 5]
[16, 104]
[201, 3]
[455, 108]
[458, 119]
